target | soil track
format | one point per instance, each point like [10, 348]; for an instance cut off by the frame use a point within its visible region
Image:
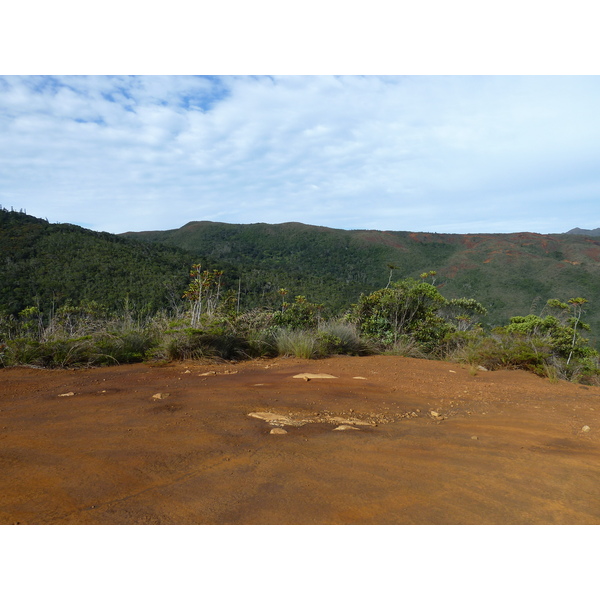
[175, 444]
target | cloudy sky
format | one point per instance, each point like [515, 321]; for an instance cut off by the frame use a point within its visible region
[452, 154]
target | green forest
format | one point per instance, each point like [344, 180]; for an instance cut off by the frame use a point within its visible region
[74, 297]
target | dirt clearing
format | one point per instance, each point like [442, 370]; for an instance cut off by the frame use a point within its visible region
[382, 440]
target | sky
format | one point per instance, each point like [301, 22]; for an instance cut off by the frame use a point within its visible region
[438, 153]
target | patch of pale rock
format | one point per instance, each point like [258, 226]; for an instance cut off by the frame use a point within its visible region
[309, 376]
[275, 419]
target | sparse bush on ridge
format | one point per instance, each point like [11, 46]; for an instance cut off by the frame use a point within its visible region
[407, 318]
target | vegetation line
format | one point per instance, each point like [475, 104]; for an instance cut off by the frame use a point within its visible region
[409, 317]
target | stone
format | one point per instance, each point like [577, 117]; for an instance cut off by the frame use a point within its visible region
[278, 431]
[359, 378]
[346, 428]
[208, 373]
[309, 376]
[433, 413]
[480, 368]
[586, 428]
[343, 421]
[67, 394]
[474, 437]
[275, 419]
[160, 396]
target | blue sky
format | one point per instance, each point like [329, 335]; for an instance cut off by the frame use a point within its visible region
[452, 154]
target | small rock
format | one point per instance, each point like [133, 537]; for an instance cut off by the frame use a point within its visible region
[359, 378]
[207, 373]
[434, 414]
[585, 428]
[275, 419]
[343, 421]
[278, 431]
[308, 376]
[480, 368]
[451, 371]
[160, 396]
[67, 394]
[346, 428]
[474, 437]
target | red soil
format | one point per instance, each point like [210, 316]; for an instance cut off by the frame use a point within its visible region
[505, 448]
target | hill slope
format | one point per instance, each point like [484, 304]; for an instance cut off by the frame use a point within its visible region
[509, 273]
[44, 263]
[588, 232]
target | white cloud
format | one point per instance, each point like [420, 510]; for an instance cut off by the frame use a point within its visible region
[411, 153]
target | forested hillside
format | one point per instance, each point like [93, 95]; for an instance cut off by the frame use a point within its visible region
[45, 264]
[510, 274]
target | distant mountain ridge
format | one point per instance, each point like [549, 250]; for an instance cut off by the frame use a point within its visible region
[578, 231]
[510, 274]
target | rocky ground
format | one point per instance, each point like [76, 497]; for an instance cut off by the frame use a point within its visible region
[382, 440]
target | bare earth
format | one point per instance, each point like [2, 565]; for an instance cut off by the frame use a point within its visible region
[389, 440]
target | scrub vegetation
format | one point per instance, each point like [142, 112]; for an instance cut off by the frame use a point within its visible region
[70, 298]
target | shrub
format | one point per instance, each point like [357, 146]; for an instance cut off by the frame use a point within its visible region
[405, 346]
[130, 346]
[262, 343]
[196, 344]
[338, 337]
[415, 309]
[511, 351]
[301, 314]
[294, 342]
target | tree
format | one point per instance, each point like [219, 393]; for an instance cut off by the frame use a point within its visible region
[559, 330]
[203, 292]
[415, 309]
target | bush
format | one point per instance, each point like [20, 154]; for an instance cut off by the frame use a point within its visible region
[99, 349]
[195, 344]
[262, 343]
[511, 351]
[294, 342]
[405, 346]
[413, 309]
[301, 314]
[338, 337]
[128, 347]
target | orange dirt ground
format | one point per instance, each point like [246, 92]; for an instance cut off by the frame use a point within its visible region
[142, 444]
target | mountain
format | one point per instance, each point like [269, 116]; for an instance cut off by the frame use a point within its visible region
[588, 232]
[48, 264]
[509, 273]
